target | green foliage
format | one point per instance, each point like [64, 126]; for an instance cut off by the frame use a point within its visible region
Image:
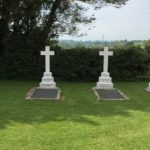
[26, 26]
[47, 19]
[69, 44]
[130, 63]
[147, 46]
[78, 64]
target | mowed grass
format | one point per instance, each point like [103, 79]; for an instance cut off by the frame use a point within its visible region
[79, 122]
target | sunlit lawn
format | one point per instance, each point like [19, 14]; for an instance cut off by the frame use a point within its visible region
[79, 122]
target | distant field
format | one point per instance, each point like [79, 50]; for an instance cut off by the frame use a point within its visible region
[97, 44]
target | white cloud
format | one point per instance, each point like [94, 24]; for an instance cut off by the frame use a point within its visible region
[131, 22]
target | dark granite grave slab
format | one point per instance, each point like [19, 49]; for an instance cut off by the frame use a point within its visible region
[109, 94]
[45, 94]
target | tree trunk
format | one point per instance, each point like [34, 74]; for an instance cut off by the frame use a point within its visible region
[51, 19]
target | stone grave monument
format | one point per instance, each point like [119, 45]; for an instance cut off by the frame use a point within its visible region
[105, 81]
[47, 79]
[104, 87]
[47, 88]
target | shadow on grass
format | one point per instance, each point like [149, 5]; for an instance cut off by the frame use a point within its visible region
[79, 105]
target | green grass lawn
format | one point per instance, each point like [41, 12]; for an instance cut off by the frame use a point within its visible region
[79, 122]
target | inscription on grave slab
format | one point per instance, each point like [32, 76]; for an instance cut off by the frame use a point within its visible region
[47, 94]
[111, 94]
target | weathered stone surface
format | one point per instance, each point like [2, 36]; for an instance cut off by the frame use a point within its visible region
[105, 81]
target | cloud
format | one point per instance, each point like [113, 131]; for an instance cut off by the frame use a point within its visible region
[131, 22]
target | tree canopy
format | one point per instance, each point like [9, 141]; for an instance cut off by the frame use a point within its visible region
[35, 21]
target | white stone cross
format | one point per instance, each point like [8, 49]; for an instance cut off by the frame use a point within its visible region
[106, 53]
[47, 54]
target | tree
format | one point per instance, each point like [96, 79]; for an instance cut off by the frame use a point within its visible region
[65, 15]
[41, 20]
[147, 46]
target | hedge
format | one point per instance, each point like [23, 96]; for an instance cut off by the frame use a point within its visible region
[78, 64]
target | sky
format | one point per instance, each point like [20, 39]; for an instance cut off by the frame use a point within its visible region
[131, 22]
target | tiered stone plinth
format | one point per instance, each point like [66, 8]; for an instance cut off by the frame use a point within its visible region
[105, 81]
[148, 88]
[47, 81]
